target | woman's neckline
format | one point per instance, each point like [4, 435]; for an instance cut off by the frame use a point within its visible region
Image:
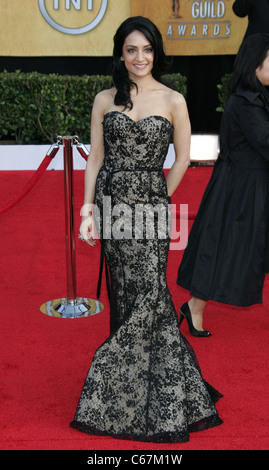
[139, 120]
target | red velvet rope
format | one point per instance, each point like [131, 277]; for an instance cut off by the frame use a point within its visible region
[189, 215]
[27, 188]
[40, 171]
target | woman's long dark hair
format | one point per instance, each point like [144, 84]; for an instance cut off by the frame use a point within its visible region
[120, 74]
[250, 56]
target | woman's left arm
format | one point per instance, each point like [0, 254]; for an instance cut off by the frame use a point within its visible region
[182, 140]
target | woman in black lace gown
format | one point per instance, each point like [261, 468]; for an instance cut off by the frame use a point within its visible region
[144, 382]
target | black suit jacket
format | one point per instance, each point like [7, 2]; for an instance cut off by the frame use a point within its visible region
[257, 12]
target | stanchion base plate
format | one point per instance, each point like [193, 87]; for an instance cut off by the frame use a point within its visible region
[79, 308]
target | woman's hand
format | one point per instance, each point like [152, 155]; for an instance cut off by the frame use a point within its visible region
[87, 226]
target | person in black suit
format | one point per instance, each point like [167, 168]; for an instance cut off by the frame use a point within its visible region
[257, 12]
[227, 256]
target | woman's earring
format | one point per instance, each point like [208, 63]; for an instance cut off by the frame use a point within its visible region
[122, 59]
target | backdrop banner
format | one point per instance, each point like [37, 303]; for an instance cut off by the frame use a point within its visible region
[86, 27]
[33, 28]
[195, 27]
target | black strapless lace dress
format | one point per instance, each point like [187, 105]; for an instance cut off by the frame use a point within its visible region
[144, 382]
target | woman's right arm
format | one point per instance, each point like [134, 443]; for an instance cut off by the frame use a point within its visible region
[94, 163]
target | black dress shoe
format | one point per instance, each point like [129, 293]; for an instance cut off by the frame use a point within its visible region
[186, 313]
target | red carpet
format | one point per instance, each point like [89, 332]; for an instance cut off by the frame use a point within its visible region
[44, 360]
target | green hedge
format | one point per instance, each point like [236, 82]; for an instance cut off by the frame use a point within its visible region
[35, 108]
[223, 91]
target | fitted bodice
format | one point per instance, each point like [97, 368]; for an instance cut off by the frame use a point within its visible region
[134, 156]
[131, 144]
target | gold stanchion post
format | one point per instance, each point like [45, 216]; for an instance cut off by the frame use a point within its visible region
[71, 306]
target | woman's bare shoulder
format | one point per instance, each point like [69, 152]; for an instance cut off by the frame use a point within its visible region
[105, 97]
[175, 97]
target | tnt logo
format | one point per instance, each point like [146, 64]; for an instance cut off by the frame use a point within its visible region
[75, 3]
[73, 16]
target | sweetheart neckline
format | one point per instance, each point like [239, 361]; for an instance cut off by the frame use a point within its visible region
[139, 120]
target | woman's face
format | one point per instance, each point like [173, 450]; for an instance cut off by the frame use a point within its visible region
[138, 55]
[262, 72]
